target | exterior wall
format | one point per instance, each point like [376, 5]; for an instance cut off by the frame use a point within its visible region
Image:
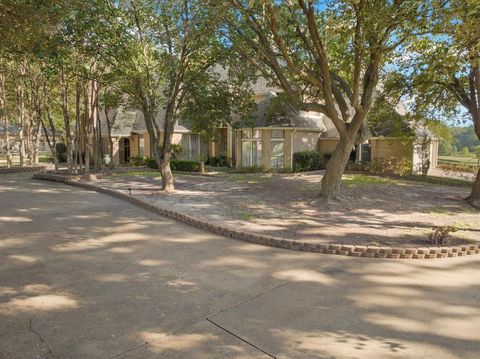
[266, 148]
[148, 150]
[384, 148]
[326, 147]
[305, 141]
[238, 148]
[287, 149]
[133, 144]
[434, 153]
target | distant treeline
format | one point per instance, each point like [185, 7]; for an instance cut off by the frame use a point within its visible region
[461, 137]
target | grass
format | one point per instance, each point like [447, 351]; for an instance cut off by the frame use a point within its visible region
[139, 173]
[441, 181]
[458, 159]
[361, 180]
[248, 178]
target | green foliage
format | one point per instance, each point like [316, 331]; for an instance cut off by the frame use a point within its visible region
[306, 161]
[221, 161]
[464, 152]
[458, 167]
[176, 165]
[390, 166]
[185, 166]
[138, 161]
[61, 151]
[151, 163]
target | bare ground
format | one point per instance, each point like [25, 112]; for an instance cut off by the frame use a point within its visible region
[376, 211]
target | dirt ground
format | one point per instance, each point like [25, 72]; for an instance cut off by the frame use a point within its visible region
[376, 211]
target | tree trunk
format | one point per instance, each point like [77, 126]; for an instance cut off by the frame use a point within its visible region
[474, 197]
[166, 153]
[4, 116]
[335, 168]
[21, 123]
[110, 139]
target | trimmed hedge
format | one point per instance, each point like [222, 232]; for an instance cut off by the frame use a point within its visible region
[306, 161]
[138, 161]
[221, 161]
[176, 165]
[185, 165]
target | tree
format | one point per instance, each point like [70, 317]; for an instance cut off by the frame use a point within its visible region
[327, 57]
[171, 48]
[445, 72]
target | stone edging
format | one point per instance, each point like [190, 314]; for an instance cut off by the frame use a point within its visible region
[5, 170]
[339, 249]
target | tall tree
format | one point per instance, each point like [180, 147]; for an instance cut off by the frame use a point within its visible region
[326, 56]
[445, 71]
[171, 48]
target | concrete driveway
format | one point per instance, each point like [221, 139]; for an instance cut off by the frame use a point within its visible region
[83, 275]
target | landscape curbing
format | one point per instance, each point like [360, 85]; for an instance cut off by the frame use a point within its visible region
[361, 251]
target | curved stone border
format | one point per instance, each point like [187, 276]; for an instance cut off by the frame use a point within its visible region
[4, 170]
[339, 249]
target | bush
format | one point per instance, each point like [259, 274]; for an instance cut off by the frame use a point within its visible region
[185, 165]
[306, 161]
[138, 161]
[61, 151]
[151, 163]
[390, 166]
[221, 161]
[458, 167]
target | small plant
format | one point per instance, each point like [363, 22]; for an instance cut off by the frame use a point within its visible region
[390, 166]
[185, 166]
[138, 161]
[61, 151]
[221, 161]
[441, 234]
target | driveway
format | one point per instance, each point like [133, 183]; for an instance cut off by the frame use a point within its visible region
[83, 275]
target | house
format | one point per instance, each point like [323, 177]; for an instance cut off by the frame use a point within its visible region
[14, 139]
[130, 136]
[276, 134]
[279, 131]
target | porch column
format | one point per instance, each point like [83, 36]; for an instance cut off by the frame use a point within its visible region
[115, 148]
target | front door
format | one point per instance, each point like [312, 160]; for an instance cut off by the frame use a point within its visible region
[126, 149]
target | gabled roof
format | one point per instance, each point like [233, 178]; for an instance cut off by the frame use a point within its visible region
[282, 114]
[13, 129]
[140, 127]
[121, 120]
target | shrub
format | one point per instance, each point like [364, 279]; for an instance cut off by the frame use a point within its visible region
[151, 163]
[185, 165]
[306, 161]
[390, 166]
[458, 167]
[61, 151]
[177, 150]
[138, 160]
[221, 161]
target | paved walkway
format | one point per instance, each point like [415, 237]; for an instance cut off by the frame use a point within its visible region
[83, 275]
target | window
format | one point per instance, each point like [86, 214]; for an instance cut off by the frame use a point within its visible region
[278, 141]
[251, 148]
[141, 145]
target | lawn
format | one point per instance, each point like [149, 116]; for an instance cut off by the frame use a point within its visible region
[375, 210]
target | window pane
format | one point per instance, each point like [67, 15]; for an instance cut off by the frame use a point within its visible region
[256, 133]
[246, 153]
[246, 133]
[258, 153]
[141, 145]
[277, 154]
[278, 134]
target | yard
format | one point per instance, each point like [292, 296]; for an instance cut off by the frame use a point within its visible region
[378, 210]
